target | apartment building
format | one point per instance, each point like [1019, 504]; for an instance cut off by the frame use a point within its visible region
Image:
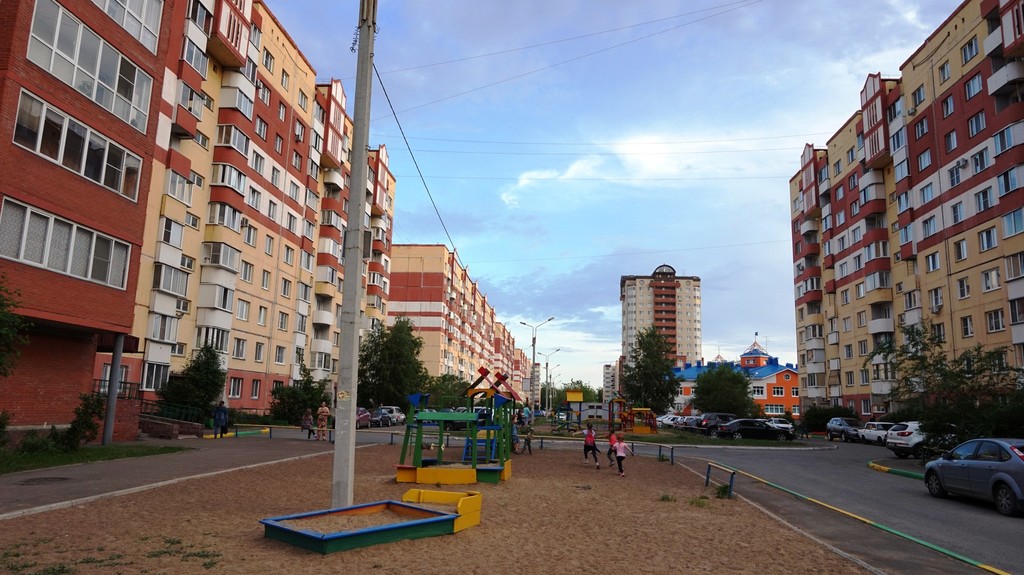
[451, 314]
[774, 387]
[80, 86]
[912, 213]
[668, 302]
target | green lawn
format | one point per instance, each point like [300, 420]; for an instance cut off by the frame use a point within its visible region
[12, 462]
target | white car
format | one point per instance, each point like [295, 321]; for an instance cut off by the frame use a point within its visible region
[905, 439]
[779, 422]
[668, 420]
[397, 415]
[875, 432]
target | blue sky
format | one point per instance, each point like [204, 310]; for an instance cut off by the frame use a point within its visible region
[566, 143]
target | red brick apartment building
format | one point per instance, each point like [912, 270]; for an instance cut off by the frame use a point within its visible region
[913, 213]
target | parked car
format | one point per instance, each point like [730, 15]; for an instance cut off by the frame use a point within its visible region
[380, 417]
[397, 415]
[362, 417]
[780, 422]
[709, 422]
[845, 428]
[669, 420]
[687, 423]
[906, 439]
[753, 429]
[875, 431]
[988, 469]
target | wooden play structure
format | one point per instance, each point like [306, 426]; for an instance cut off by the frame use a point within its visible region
[414, 521]
[487, 449]
[623, 417]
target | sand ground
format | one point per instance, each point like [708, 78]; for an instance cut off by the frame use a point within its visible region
[554, 515]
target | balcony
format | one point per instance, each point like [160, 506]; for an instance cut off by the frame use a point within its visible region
[812, 392]
[835, 391]
[334, 180]
[814, 343]
[323, 317]
[320, 346]
[832, 338]
[815, 367]
[809, 226]
[1006, 80]
[881, 325]
[871, 178]
[881, 387]
[993, 42]
[833, 364]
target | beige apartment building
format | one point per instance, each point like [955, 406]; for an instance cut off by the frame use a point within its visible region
[913, 213]
[452, 315]
[244, 235]
[667, 302]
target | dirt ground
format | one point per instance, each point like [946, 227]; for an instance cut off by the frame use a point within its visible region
[554, 515]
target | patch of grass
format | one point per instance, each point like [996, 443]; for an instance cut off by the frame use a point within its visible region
[701, 501]
[722, 491]
[13, 462]
[58, 569]
[668, 498]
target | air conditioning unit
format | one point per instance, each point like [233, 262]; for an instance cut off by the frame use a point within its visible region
[911, 111]
[245, 222]
[935, 307]
[962, 163]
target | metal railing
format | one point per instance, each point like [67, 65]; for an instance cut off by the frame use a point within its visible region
[172, 411]
[126, 389]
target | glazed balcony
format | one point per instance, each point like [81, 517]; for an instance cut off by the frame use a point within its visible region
[1006, 80]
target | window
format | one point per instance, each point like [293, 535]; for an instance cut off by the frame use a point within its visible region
[163, 328]
[976, 124]
[54, 135]
[80, 58]
[932, 261]
[40, 239]
[1003, 140]
[898, 139]
[950, 140]
[957, 212]
[261, 128]
[202, 139]
[213, 336]
[862, 347]
[980, 160]
[944, 71]
[228, 135]
[268, 245]
[279, 354]
[286, 288]
[285, 78]
[983, 199]
[963, 288]
[265, 282]
[275, 177]
[921, 128]
[282, 321]
[1017, 311]
[973, 86]
[196, 58]
[845, 296]
[272, 210]
[848, 351]
[990, 280]
[289, 255]
[969, 50]
[238, 349]
[917, 96]
[255, 394]
[902, 170]
[171, 232]
[1007, 181]
[303, 100]
[928, 227]
[278, 146]
[947, 107]
[939, 331]
[967, 326]
[179, 187]
[1014, 266]
[960, 250]
[903, 202]
[935, 298]
[1013, 223]
[142, 18]
[924, 159]
[257, 352]
[282, 112]
[247, 269]
[156, 376]
[242, 312]
[986, 239]
[261, 316]
[230, 176]
[268, 60]
[234, 387]
[994, 320]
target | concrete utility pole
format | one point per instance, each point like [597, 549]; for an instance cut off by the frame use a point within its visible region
[352, 289]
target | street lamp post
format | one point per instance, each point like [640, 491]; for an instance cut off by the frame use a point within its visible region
[533, 357]
[547, 372]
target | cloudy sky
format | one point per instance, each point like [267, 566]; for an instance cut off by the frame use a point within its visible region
[566, 143]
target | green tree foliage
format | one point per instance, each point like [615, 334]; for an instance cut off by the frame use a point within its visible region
[590, 395]
[288, 403]
[647, 379]
[724, 388]
[445, 390]
[200, 384]
[971, 394]
[12, 328]
[389, 365]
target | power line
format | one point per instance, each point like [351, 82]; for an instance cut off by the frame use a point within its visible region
[631, 143]
[631, 254]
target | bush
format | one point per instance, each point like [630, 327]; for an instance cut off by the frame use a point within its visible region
[34, 442]
[5, 419]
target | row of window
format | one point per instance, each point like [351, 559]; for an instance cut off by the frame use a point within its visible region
[777, 391]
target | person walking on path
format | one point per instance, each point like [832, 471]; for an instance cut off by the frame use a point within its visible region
[612, 440]
[220, 420]
[620, 452]
[589, 444]
[307, 423]
[322, 414]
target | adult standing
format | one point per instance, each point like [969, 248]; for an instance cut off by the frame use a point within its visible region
[220, 420]
[322, 415]
[528, 414]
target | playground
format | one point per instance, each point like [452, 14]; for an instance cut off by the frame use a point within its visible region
[553, 507]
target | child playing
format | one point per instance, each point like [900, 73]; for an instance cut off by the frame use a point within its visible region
[589, 444]
[620, 452]
[612, 440]
[528, 439]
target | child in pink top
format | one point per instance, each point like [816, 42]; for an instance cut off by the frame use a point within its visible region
[620, 453]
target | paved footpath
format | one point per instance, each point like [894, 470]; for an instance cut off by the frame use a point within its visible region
[44, 489]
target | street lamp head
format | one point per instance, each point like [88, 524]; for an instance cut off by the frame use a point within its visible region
[550, 318]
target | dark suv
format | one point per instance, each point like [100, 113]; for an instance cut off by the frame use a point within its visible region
[709, 422]
[845, 428]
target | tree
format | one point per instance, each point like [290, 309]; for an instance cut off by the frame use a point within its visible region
[647, 379]
[724, 388]
[200, 384]
[389, 365]
[445, 389]
[288, 403]
[12, 328]
[590, 395]
[970, 394]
